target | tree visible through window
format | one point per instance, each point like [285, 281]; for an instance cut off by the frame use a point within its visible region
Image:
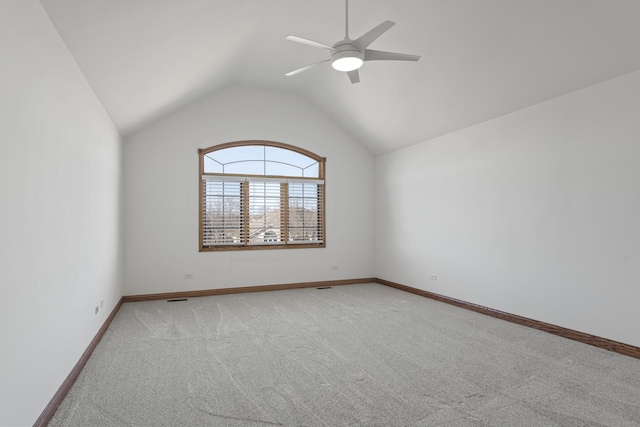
[260, 195]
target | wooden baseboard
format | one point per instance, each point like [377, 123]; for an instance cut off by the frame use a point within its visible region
[225, 291]
[57, 398]
[607, 344]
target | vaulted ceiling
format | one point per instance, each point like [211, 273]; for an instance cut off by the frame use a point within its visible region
[480, 59]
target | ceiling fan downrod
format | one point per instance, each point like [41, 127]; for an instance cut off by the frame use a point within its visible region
[346, 19]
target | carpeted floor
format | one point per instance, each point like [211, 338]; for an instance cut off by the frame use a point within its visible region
[357, 355]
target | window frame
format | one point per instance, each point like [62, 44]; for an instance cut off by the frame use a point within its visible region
[245, 218]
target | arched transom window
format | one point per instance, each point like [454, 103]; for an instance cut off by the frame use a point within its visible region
[261, 195]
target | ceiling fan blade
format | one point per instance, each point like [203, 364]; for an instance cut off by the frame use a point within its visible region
[354, 76]
[374, 55]
[308, 42]
[305, 68]
[367, 38]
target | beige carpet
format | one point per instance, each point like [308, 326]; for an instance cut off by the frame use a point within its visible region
[357, 355]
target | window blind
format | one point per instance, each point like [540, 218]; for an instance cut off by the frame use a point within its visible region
[244, 211]
[223, 212]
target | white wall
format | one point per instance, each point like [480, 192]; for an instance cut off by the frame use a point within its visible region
[60, 166]
[536, 213]
[161, 196]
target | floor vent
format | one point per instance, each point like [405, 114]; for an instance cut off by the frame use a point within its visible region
[177, 299]
[325, 287]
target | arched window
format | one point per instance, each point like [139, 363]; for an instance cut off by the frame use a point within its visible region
[261, 195]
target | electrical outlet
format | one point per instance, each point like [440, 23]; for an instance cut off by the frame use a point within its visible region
[97, 309]
[188, 276]
[434, 277]
[334, 268]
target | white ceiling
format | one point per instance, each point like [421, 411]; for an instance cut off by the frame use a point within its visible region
[480, 59]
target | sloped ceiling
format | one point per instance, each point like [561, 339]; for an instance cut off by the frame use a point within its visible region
[480, 59]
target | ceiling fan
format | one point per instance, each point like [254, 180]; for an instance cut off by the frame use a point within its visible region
[348, 55]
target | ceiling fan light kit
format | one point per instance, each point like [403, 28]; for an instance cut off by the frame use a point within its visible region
[346, 58]
[349, 55]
